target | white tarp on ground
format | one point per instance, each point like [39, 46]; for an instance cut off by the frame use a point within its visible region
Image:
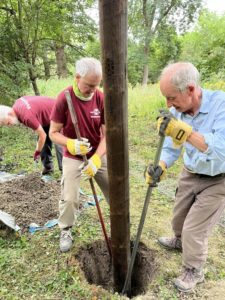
[8, 220]
[5, 218]
[4, 176]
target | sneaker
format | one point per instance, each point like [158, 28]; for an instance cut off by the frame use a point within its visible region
[173, 243]
[47, 171]
[187, 281]
[65, 240]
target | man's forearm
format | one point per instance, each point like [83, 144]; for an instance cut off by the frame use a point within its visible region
[41, 138]
[40, 143]
[101, 150]
[55, 135]
[58, 138]
[197, 140]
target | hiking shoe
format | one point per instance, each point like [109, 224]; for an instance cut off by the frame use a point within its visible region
[173, 243]
[65, 240]
[187, 281]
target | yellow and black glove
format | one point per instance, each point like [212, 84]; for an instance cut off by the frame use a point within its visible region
[155, 174]
[76, 147]
[94, 163]
[178, 130]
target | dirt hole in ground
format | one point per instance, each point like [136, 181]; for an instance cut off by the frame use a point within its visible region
[95, 262]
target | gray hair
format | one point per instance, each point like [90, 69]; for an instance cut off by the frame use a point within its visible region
[4, 112]
[88, 65]
[183, 74]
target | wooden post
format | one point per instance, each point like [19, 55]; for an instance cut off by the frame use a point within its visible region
[113, 27]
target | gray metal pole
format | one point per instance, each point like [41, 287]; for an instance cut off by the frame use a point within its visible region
[127, 285]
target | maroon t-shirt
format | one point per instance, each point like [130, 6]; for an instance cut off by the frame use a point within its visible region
[33, 111]
[90, 117]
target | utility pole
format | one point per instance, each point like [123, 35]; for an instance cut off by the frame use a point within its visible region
[113, 27]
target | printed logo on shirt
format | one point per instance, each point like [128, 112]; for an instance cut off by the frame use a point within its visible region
[25, 103]
[95, 113]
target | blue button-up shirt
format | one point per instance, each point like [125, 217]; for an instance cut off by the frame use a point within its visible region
[210, 122]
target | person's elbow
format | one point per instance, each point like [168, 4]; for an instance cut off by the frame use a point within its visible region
[54, 131]
[52, 134]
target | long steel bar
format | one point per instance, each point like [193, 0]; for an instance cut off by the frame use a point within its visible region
[127, 285]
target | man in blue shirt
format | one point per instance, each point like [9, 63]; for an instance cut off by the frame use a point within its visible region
[196, 122]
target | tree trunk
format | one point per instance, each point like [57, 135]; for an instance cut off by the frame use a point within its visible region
[61, 61]
[46, 65]
[145, 71]
[145, 75]
[113, 26]
[33, 80]
[32, 75]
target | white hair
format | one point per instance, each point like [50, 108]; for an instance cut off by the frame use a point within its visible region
[88, 65]
[4, 112]
[183, 74]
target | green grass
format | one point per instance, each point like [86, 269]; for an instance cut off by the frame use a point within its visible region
[31, 267]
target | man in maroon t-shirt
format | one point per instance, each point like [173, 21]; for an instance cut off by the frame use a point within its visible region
[87, 101]
[34, 112]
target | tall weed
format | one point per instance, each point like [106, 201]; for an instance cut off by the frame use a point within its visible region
[215, 85]
[145, 101]
[52, 87]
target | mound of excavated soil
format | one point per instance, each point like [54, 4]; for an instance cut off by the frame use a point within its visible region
[30, 200]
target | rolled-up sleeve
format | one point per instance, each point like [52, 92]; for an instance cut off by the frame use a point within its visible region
[216, 139]
[212, 161]
[169, 154]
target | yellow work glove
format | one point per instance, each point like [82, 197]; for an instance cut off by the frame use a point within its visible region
[94, 163]
[178, 130]
[76, 147]
[155, 174]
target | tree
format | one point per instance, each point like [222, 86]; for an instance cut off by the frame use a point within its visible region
[146, 16]
[165, 47]
[205, 46]
[28, 27]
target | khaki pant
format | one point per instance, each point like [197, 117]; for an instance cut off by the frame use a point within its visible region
[69, 202]
[199, 204]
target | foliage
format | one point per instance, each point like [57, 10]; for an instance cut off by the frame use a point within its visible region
[93, 48]
[147, 16]
[165, 48]
[13, 80]
[215, 85]
[205, 46]
[135, 63]
[25, 37]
